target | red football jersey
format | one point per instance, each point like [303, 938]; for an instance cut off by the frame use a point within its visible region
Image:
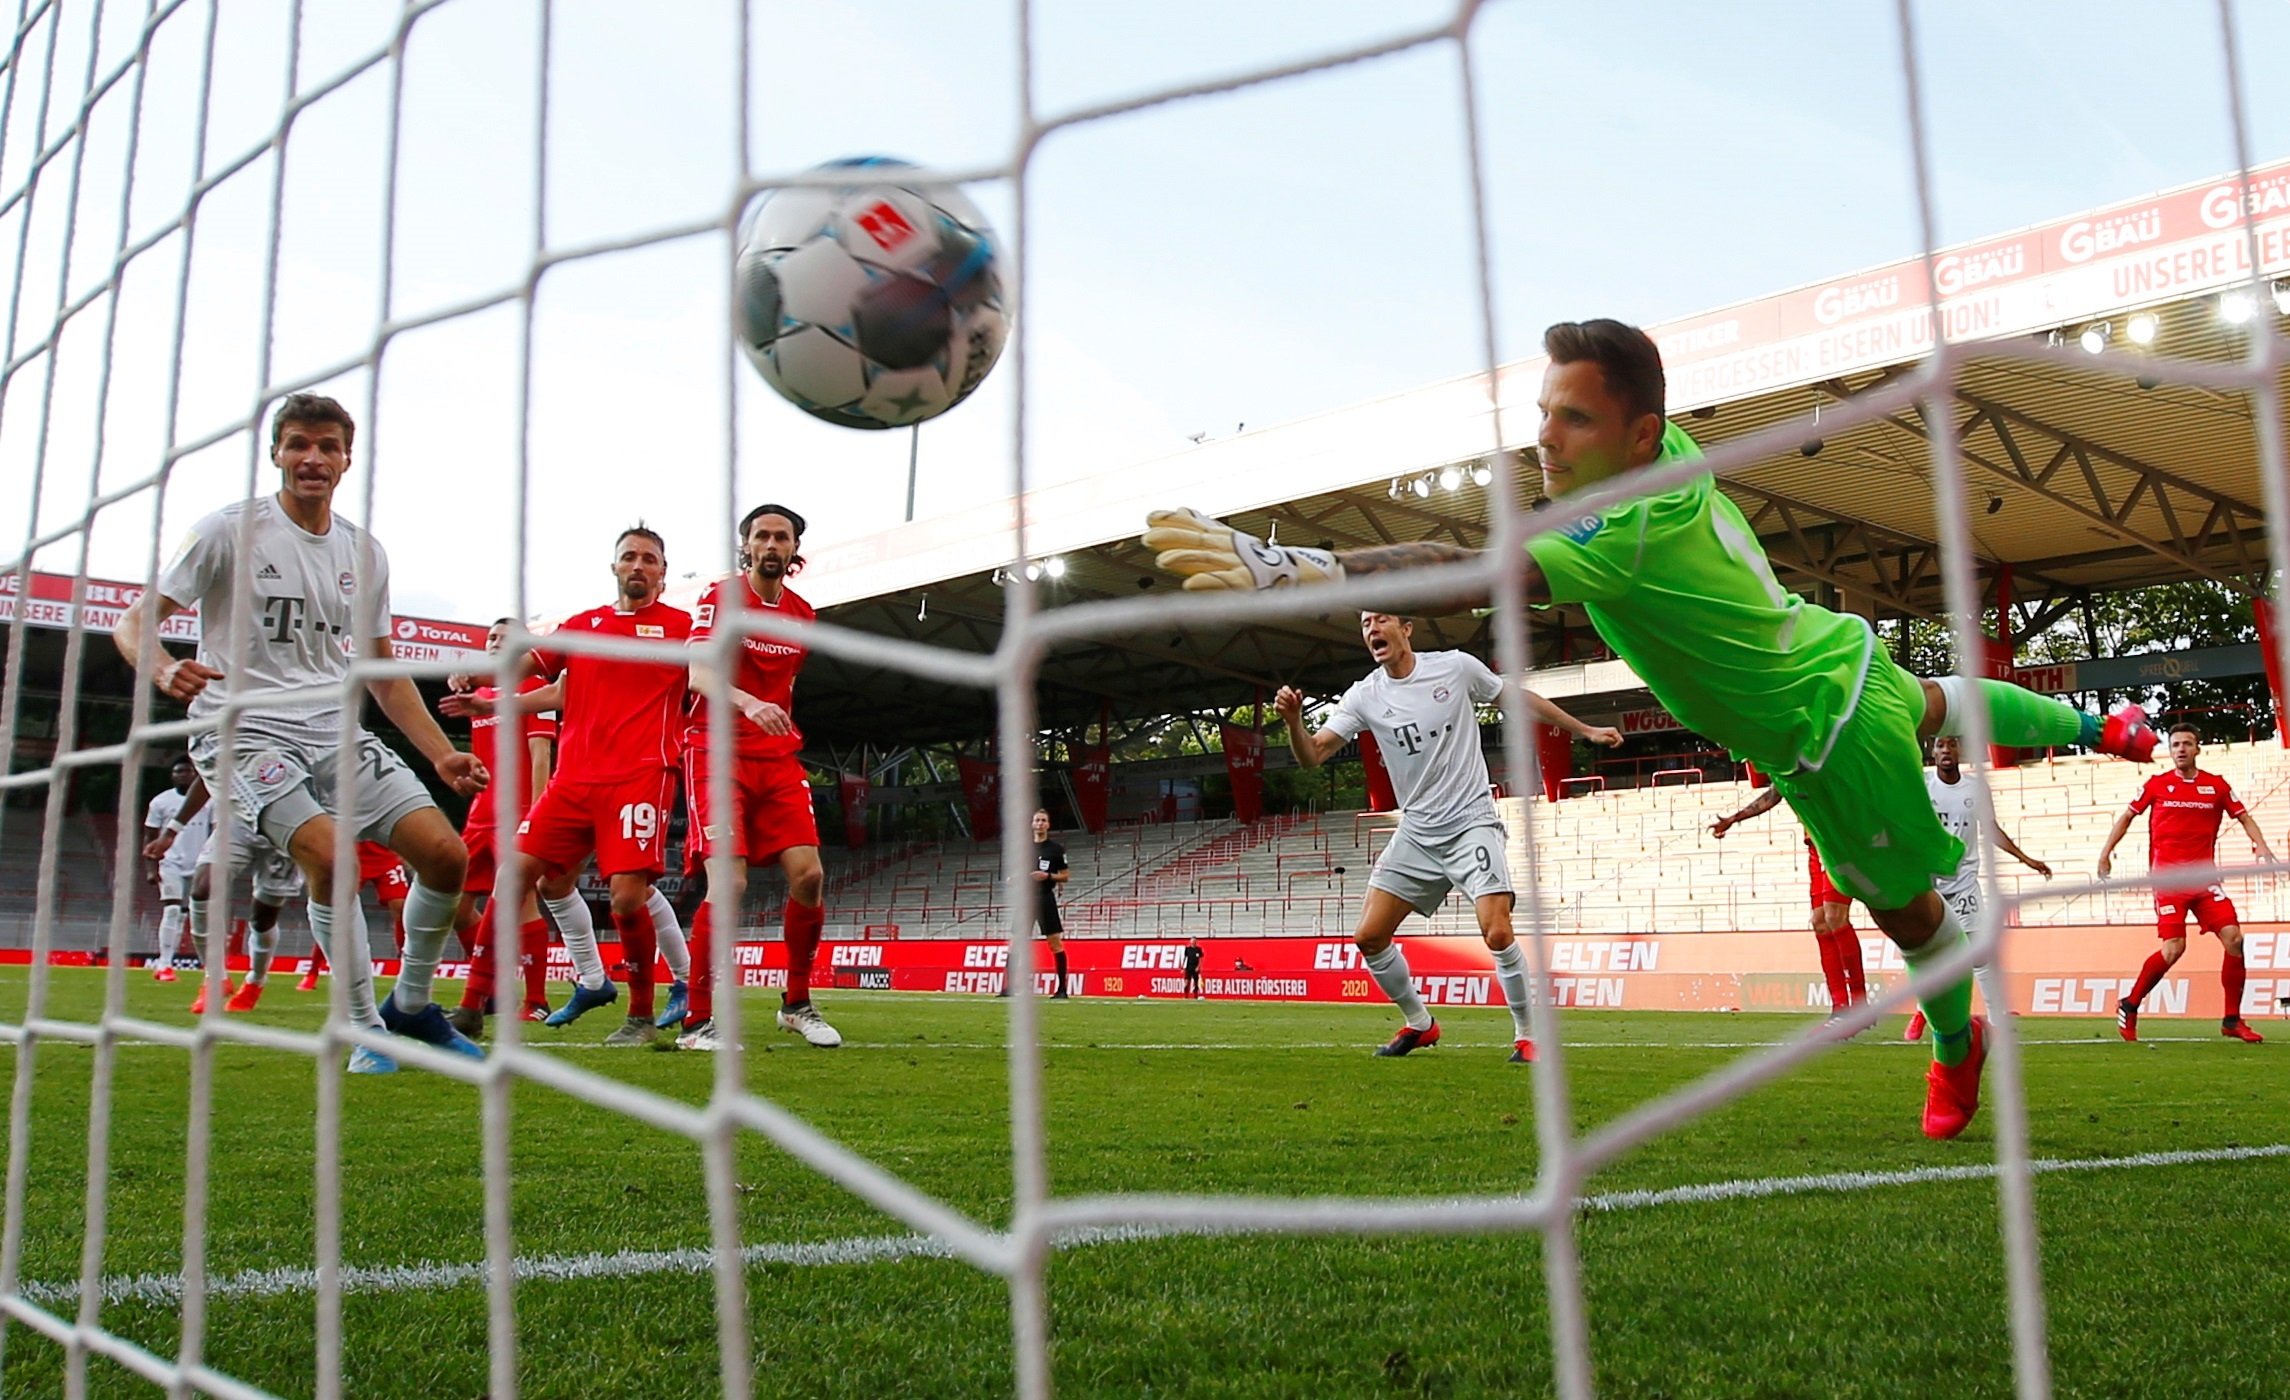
[482, 728]
[2182, 825]
[766, 668]
[619, 718]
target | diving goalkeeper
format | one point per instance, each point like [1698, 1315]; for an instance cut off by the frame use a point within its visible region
[1679, 587]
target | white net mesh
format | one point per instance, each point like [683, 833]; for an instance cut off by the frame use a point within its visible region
[146, 189]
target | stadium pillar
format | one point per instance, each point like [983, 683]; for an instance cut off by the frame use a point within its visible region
[1999, 658]
[2262, 610]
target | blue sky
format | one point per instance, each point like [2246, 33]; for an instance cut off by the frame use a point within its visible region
[1247, 258]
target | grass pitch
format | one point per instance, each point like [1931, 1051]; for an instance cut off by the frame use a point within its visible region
[2154, 1274]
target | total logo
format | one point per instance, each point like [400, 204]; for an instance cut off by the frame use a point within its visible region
[2222, 205]
[2086, 239]
[1836, 302]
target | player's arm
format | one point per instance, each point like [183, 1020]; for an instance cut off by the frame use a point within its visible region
[193, 801]
[764, 715]
[1758, 806]
[2115, 835]
[1311, 750]
[2257, 837]
[401, 701]
[1548, 713]
[540, 759]
[2008, 846]
[177, 678]
[1212, 555]
[528, 702]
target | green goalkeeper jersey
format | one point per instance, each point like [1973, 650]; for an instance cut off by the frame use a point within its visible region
[1680, 588]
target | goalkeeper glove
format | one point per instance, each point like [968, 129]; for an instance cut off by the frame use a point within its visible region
[1212, 554]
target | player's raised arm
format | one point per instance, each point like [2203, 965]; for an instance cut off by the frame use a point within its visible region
[1210, 554]
[1550, 714]
[400, 699]
[1758, 806]
[1311, 750]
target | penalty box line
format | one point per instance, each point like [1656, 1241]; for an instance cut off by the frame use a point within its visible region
[166, 1290]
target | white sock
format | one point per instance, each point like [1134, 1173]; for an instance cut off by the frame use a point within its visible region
[1511, 971]
[578, 929]
[170, 933]
[670, 935]
[260, 943]
[195, 925]
[428, 918]
[352, 959]
[1390, 969]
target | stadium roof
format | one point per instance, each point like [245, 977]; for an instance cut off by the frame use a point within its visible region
[2085, 472]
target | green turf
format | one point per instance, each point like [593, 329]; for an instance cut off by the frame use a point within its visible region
[2154, 1275]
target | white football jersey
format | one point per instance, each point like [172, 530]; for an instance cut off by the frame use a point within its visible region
[182, 858]
[1427, 729]
[303, 592]
[1957, 809]
[162, 809]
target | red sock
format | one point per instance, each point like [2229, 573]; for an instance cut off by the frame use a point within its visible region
[1833, 971]
[2230, 977]
[533, 958]
[803, 923]
[1849, 961]
[701, 987]
[2148, 977]
[640, 949]
[481, 984]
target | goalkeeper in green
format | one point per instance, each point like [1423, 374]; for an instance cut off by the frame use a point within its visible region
[1680, 588]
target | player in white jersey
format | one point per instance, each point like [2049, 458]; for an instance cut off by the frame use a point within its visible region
[1423, 707]
[160, 818]
[1958, 807]
[311, 591]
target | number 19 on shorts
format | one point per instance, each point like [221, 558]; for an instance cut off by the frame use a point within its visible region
[639, 822]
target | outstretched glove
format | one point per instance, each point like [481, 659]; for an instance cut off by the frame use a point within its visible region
[1212, 554]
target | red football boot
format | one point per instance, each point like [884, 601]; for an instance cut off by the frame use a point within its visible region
[245, 997]
[2126, 735]
[164, 972]
[2126, 1020]
[2239, 1029]
[1522, 1052]
[1914, 1030]
[199, 1002]
[1952, 1092]
[1409, 1038]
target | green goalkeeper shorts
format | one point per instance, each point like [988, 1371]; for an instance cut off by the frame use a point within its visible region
[1866, 806]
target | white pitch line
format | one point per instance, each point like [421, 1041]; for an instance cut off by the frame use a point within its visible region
[166, 1290]
[999, 1047]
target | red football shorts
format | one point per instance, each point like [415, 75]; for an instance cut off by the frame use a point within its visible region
[623, 820]
[2211, 908]
[771, 809]
[1823, 891]
[380, 867]
[484, 860]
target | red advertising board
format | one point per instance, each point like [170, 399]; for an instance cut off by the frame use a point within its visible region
[2052, 971]
[104, 600]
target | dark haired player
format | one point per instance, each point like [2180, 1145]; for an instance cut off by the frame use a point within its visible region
[1677, 584]
[770, 817]
[2184, 808]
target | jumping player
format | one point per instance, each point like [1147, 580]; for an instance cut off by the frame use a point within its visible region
[1677, 585]
[1833, 932]
[770, 816]
[1423, 708]
[2185, 807]
[293, 584]
[618, 721]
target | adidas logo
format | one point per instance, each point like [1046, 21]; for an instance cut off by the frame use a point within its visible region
[268, 571]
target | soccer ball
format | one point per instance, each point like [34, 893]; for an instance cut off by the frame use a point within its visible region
[873, 304]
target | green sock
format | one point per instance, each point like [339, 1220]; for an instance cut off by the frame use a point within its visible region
[2021, 719]
[1948, 1011]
